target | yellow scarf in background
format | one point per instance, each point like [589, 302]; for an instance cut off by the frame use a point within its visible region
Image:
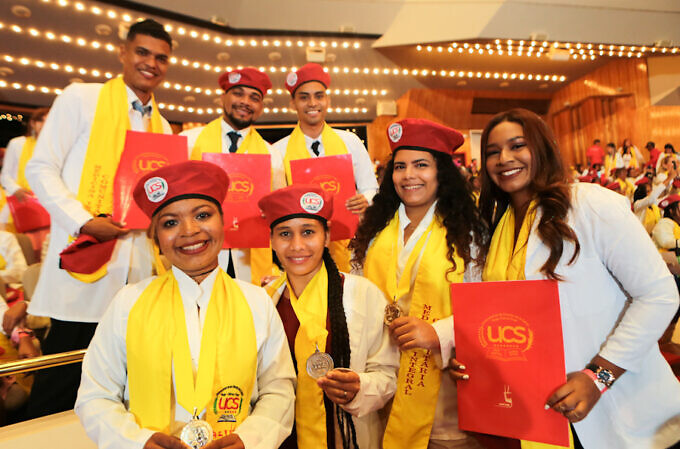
[210, 141]
[311, 309]
[156, 340]
[26, 155]
[651, 218]
[506, 261]
[410, 421]
[107, 140]
[333, 145]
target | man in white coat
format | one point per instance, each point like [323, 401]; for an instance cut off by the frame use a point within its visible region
[71, 173]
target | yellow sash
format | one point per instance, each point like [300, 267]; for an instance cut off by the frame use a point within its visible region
[156, 341]
[311, 309]
[333, 145]
[3, 263]
[505, 262]
[26, 154]
[412, 415]
[609, 163]
[210, 141]
[651, 218]
[107, 140]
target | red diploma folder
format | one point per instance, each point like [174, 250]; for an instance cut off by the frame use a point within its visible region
[143, 152]
[249, 180]
[28, 215]
[334, 174]
[509, 337]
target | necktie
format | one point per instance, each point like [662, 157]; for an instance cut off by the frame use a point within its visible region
[233, 136]
[144, 110]
[315, 147]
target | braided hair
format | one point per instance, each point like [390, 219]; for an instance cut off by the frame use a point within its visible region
[340, 351]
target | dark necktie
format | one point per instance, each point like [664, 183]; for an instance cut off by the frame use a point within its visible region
[315, 147]
[233, 136]
[144, 110]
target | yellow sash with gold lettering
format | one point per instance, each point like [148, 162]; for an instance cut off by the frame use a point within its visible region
[157, 343]
[333, 145]
[418, 382]
[107, 140]
[506, 261]
[210, 141]
[26, 155]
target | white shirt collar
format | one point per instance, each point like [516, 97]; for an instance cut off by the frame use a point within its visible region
[226, 128]
[132, 96]
[193, 293]
[424, 223]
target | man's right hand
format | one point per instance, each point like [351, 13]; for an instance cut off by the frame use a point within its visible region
[103, 229]
[162, 441]
[21, 194]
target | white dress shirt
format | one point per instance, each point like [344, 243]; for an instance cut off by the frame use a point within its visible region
[54, 174]
[10, 165]
[103, 397]
[374, 357]
[240, 256]
[364, 175]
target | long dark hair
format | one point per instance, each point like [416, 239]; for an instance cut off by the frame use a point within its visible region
[455, 207]
[549, 182]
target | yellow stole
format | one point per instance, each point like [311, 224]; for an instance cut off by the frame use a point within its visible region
[26, 154]
[410, 421]
[651, 218]
[333, 145]
[506, 261]
[676, 231]
[311, 309]
[107, 140]
[3, 263]
[210, 141]
[156, 341]
[609, 163]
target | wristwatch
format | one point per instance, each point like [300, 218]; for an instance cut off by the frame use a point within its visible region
[602, 375]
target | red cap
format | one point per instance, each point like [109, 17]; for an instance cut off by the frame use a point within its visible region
[190, 179]
[420, 134]
[670, 199]
[614, 186]
[86, 255]
[676, 183]
[586, 178]
[298, 200]
[643, 180]
[248, 77]
[306, 73]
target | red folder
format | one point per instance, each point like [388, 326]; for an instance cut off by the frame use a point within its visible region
[143, 152]
[249, 180]
[334, 174]
[509, 337]
[28, 215]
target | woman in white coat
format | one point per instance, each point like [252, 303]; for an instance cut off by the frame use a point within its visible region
[616, 294]
[328, 313]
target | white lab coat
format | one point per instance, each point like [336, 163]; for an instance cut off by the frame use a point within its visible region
[616, 301]
[373, 356]
[103, 397]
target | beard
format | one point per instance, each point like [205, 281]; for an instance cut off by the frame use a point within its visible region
[236, 122]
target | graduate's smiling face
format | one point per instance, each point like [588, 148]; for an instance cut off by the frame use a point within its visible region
[190, 233]
[311, 102]
[242, 105]
[508, 159]
[415, 178]
[145, 61]
[299, 244]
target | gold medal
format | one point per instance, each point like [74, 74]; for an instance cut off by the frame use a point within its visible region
[392, 312]
[319, 363]
[196, 433]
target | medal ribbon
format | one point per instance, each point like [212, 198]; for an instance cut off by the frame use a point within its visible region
[311, 309]
[210, 141]
[418, 382]
[506, 261]
[158, 318]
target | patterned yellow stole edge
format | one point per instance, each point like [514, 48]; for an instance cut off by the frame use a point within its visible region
[24, 157]
[410, 421]
[156, 339]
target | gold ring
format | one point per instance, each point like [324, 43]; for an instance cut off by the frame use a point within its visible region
[344, 394]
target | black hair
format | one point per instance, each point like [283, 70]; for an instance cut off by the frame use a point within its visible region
[668, 146]
[611, 144]
[650, 144]
[596, 141]
[668, 211]
[149, 27]
[640, 193]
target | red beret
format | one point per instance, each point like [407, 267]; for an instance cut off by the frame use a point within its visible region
[643, 180]
[423, 134]
[676, 183]
[86, 255]
[298, 200]
[190, 179]
[614, 186]
[586, 178]
[670, 199]
[306, 73]
[248, 77]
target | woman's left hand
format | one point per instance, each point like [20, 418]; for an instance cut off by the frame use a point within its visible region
[575, 398]
[232, 441]
[411, 333]
[340, 385]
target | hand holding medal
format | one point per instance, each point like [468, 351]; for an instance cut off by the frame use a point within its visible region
[341, 385]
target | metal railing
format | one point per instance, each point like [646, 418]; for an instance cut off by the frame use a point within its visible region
[45, 361]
